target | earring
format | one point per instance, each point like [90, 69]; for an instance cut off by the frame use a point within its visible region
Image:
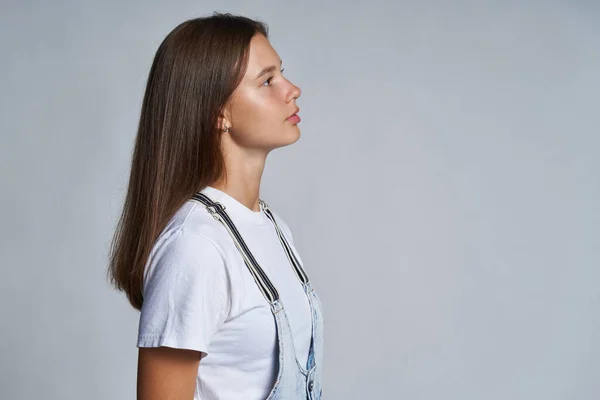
[226, 129]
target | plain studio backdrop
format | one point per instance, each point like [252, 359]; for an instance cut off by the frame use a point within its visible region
[444, 192]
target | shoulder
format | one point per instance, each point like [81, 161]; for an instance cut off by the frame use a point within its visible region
[188, 247]
[196, 224]
[183, 256]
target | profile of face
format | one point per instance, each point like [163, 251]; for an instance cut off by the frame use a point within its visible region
[257, 112]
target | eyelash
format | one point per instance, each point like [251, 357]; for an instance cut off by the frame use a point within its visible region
[272, 77]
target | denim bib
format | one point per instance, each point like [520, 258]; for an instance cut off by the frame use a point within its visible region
[294, 381]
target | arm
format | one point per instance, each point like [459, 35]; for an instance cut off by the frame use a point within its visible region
[165, 373]
[186, 300]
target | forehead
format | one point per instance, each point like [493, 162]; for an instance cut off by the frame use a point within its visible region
[261, 55]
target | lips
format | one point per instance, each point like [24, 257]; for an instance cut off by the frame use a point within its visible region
[295, 112]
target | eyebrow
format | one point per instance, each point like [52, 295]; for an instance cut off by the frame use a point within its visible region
[267, 70]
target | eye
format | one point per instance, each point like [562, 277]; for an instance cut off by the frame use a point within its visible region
[269, 80]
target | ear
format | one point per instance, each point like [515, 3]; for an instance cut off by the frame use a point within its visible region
[224, 118]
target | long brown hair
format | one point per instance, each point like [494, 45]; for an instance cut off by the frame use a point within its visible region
[177, 149]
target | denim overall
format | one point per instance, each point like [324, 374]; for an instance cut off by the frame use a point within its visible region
[294, 381]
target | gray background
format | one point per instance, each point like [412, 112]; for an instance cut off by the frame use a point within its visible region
[444, 193]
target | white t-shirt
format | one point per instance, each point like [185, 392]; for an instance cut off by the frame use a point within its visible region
[199, 295]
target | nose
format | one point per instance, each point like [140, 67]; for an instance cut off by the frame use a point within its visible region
[294, 93]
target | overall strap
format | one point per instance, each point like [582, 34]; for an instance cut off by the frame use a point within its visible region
[300, 273]
[217, 210]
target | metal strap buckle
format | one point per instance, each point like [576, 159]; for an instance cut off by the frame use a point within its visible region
[212, 209]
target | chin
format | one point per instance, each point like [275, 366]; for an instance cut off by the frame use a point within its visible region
[295, 135]
[290, 136]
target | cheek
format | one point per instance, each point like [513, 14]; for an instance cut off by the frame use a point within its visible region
[257, 113]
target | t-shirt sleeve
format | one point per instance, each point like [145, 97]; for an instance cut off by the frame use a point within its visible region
[186, 296]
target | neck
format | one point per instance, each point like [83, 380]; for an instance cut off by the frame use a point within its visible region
[243, 176]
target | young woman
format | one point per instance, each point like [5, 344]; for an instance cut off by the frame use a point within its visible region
[209, 265]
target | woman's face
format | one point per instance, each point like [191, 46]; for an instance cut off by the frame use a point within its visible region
[258, 110]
